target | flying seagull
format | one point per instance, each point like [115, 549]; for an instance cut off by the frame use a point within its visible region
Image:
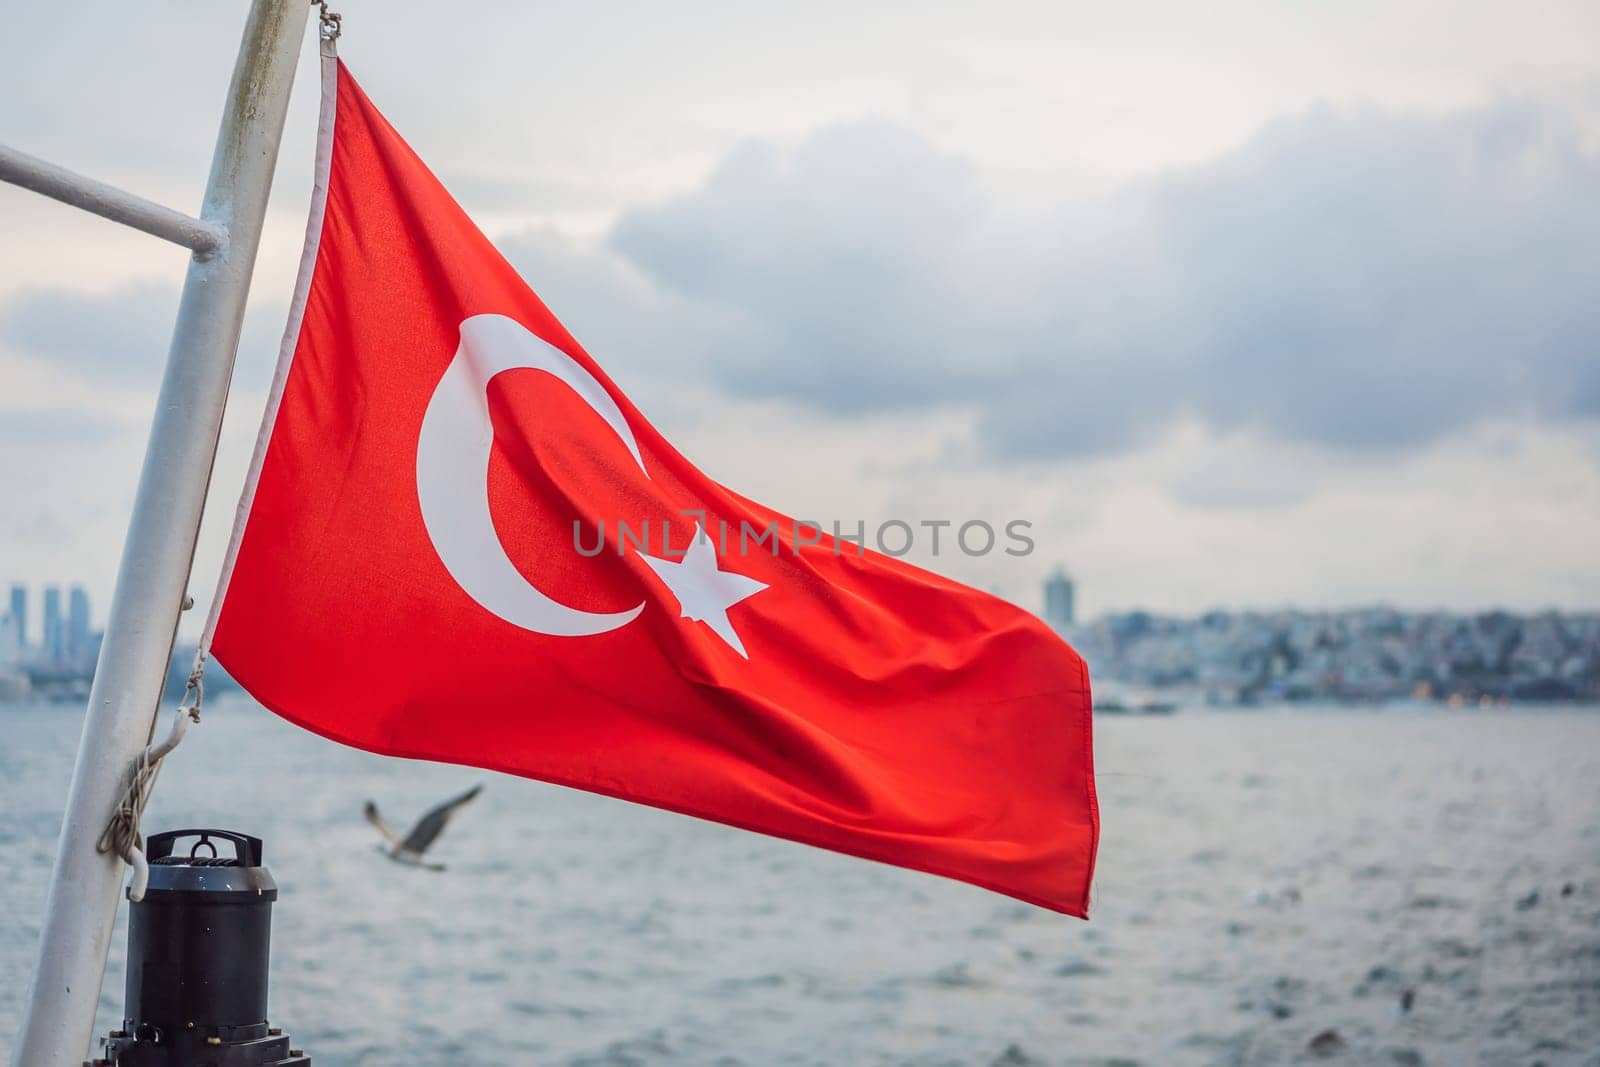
[409, 849]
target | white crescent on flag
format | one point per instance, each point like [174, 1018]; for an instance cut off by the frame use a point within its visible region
[453, 465]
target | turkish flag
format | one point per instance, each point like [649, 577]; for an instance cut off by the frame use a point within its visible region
[419, 571]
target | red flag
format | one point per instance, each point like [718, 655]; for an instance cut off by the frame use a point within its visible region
[406, 579]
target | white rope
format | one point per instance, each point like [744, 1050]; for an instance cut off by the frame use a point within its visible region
[121, 834]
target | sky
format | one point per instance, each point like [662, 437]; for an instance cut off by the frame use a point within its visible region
[1240, 305]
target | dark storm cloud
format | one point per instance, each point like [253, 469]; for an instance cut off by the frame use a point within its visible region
[1353, 279]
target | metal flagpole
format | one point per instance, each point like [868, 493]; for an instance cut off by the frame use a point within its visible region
[154, 573]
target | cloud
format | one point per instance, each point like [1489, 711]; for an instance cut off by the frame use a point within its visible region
[633, 327]
[26, 427]
[1357, 279]
[838, 263]
[1349, 279]
[120, 336]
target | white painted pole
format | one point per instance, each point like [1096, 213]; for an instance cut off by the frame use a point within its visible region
[107, 201]
[85, 885]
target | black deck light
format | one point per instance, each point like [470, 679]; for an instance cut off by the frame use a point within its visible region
[198, 947]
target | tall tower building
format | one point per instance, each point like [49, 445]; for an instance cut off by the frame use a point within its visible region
[19, 613]
[54, 637]
[77, 624]
[1059, 596]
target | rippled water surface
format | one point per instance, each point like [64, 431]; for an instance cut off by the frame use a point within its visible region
[1265, 878]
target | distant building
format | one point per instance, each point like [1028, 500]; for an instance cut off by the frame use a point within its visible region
[55, 636]
[19, 613]
[1059, 597]
[10, 646]
[77, 641]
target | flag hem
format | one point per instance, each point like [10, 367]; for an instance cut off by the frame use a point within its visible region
[321, 169]
[1077, 910]
[1094, 797]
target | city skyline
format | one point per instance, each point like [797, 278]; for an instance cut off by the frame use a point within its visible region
[1036, 598]
[1371, 655]
[1368, 653]
[64, 635]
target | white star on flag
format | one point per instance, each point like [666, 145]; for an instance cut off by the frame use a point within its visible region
[704, 592]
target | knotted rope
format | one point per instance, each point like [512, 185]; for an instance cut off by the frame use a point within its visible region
[121, 834]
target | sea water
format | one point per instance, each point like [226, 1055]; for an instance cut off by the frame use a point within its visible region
[1275, 886]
